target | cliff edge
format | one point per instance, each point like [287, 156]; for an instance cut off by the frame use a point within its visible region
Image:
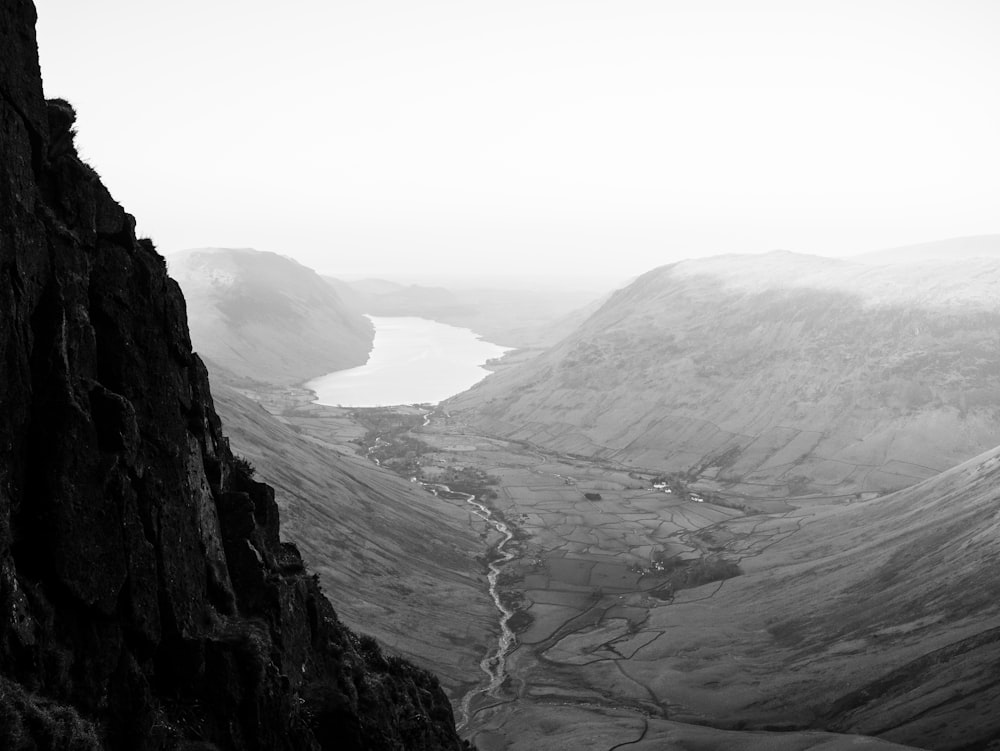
[146, 601]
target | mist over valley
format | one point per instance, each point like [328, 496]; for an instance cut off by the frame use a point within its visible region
[699, 478]
[499, 377]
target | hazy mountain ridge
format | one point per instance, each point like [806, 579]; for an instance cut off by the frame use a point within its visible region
[266, 316]
[955, 249]
[148, 602]
[773, 371]
[509, 317]
[925, 281]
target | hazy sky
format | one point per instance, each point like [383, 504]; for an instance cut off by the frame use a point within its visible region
[596, 137]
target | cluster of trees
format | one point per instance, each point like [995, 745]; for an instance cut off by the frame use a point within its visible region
[678, 573]
[470, 480]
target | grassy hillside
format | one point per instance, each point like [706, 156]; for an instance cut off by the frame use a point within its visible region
[779, 373]
[267, 317]
[400, 562]
[879, 618]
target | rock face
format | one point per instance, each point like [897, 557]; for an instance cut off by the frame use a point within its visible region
[146, 601]
[266, 317]
[779, 374]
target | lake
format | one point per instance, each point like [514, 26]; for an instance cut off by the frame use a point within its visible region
[413, 361]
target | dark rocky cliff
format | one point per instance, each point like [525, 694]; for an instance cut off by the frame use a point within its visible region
[146, 601]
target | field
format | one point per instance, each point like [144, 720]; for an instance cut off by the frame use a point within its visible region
[654, 610]
[600, 554]
[696, 619]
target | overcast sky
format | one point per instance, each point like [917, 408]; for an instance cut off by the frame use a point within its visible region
[600, 137]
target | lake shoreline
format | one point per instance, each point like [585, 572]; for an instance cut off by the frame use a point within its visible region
[412, 361]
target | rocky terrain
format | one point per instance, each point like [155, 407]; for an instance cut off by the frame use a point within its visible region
[147, 600]
[267, 317]
[771, 599]
[779, 373]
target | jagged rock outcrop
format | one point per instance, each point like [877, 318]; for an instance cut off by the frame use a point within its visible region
[146, 601]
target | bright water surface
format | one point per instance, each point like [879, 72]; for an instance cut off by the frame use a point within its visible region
[413, 361]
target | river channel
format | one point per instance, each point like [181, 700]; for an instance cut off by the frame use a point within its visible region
[494, 664]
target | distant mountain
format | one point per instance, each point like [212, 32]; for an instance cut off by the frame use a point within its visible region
[975, 246]
[510, 317]
[263, 316]
[380, 297]
[775, 374]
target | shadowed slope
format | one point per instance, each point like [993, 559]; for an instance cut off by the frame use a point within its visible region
[147, 601]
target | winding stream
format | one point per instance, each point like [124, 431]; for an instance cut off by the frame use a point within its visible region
[494, 664]
[371, 449]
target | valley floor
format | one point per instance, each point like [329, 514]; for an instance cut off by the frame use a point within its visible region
[599, 552]
[669, 616]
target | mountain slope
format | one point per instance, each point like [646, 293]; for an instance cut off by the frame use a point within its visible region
[147, 601]
[267, 317]
[881, 618]
[398, 558]
[510, 317]
[777, 373]
[953, 249]
[878, 617]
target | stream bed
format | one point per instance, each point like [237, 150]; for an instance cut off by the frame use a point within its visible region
[494, 664]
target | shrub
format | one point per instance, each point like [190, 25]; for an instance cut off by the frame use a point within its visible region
[28, 721]
[244, 466]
